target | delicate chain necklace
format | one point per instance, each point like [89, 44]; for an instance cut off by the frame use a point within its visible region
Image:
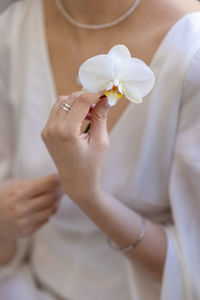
[93, 26]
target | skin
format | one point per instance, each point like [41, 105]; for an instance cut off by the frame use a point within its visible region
[141, 29]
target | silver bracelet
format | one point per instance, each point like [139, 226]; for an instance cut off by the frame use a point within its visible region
[134, 244]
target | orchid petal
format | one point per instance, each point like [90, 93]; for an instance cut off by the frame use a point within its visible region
[96, 73]
[137, 79]
[119, 52]
[117, 73]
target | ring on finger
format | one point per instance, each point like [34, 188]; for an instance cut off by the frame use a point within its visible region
[66, 106]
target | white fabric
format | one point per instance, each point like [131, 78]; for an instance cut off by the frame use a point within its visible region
[153, 165]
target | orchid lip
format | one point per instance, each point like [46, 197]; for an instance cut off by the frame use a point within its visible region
[113, 95]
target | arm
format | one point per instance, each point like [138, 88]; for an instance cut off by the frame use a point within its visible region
[123, 225]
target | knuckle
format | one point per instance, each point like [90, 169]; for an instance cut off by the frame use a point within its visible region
[62, 98]
[100, 116]
[44, 134]
[84, 99]
[48, 132]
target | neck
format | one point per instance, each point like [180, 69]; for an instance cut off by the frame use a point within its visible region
[96, 11]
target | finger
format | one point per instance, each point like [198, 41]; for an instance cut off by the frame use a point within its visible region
[79, 111]
[57, 105]
[42, 185]
[44, 215]
[98, 125]
[42, 202]
[70, 101]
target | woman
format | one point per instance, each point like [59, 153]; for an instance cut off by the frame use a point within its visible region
[151, 167]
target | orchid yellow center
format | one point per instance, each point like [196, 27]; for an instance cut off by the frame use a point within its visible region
[113, 95]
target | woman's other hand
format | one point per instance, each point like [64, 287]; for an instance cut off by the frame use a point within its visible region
[78, 156]
[26, 205]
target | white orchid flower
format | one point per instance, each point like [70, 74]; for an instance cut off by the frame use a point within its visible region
[119, 74]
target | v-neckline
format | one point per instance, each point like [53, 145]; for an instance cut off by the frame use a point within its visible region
[157, 54]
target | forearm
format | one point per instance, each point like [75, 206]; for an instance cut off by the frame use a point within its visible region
[7, 250]
[123, 226]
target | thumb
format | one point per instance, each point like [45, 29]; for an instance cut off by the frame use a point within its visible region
[98, 126]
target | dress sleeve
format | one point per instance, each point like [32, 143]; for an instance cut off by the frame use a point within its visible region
[7, 138]
[182, 266]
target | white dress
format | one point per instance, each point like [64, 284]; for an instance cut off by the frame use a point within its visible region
[153, 165]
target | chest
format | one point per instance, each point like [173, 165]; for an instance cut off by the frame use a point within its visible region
[66, 56]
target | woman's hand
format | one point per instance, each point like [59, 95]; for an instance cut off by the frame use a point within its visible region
[26, 205]
[78, 156]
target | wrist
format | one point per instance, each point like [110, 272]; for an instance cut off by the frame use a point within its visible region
[90, 196]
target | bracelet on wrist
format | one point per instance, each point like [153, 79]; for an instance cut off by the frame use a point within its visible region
[135, 243]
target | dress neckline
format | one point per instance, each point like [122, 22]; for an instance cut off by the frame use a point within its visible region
[154, 65]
